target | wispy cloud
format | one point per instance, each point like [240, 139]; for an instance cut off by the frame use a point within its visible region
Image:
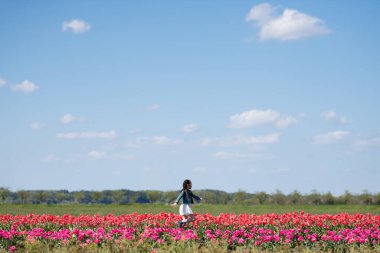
[76, 26]
[189, 128]
[68, 118]
[241, 140]
[253, 118]
[103, 154]
[229, 155]
[153, 107]
[291, 24]
[366, 142]
[36, 126]
[330, 137]
[96, 154]
[50, 158]
[2, 82]
[332, 116]
[256, 117]
[286, 122]
[87, 135]
[26, 87]
[155, 140]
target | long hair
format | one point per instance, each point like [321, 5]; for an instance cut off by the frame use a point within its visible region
[184, 188]
[185, 183]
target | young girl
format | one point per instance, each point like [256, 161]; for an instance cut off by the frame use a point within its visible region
[187, 198]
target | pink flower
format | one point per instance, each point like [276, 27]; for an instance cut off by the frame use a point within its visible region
[300, 238]
[12, 248]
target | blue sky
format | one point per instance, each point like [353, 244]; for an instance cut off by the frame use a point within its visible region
[247, 95]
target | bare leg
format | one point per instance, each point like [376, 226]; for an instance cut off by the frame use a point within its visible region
[183, 221]
[191, 218]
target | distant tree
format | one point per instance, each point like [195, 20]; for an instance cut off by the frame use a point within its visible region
[41, 196]
[262, 197]
[24, 196]
[170, 196]
[295, 197]
[142, 197]
[60, 196]
[346, 198]
[377, 199]
[79, 196]
[366, 198]
[96, 196]
[314, 198]
[107, 197]
[4, 193]
[210, 197]
[118, 195]
[154, 196]
[240, 196]
[279, 198]
[328, 199]
[223, 198]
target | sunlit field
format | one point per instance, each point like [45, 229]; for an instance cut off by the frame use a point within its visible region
[218, 228]
[71, 209]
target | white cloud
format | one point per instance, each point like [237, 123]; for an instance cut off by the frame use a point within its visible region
[253, 118]
[189, 128]
[262, 13]
[330, 137]
[103, 154]
[2, 82]
[153, 107]
[241, 140]
[208, 141]
[87, 135]
[50, 158]
[332, 116]
[261, 117]
[286, 121]
[290, 25]
[67, 118]
[96, 154]
[36, 126]
[328, 116]
[229, 155]
[162, 140]
[26, 87]
[343, 120]
[265, 139]
[76, 26]
[365, 141]
[155, 140]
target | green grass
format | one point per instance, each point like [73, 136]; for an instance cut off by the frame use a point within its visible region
[76, 209]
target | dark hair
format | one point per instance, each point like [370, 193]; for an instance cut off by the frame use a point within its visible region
[185, 183]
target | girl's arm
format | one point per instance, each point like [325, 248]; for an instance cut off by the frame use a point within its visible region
[178, 198]
[196, 197]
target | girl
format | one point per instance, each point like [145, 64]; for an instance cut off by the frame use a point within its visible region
[187, 198]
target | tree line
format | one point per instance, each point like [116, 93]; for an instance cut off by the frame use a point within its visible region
[211, 197]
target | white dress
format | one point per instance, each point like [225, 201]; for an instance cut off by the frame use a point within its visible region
[185, 209]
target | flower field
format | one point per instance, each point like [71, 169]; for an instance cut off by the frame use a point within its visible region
[299, 232]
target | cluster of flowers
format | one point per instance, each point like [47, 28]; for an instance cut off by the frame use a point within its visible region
[262, 231]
